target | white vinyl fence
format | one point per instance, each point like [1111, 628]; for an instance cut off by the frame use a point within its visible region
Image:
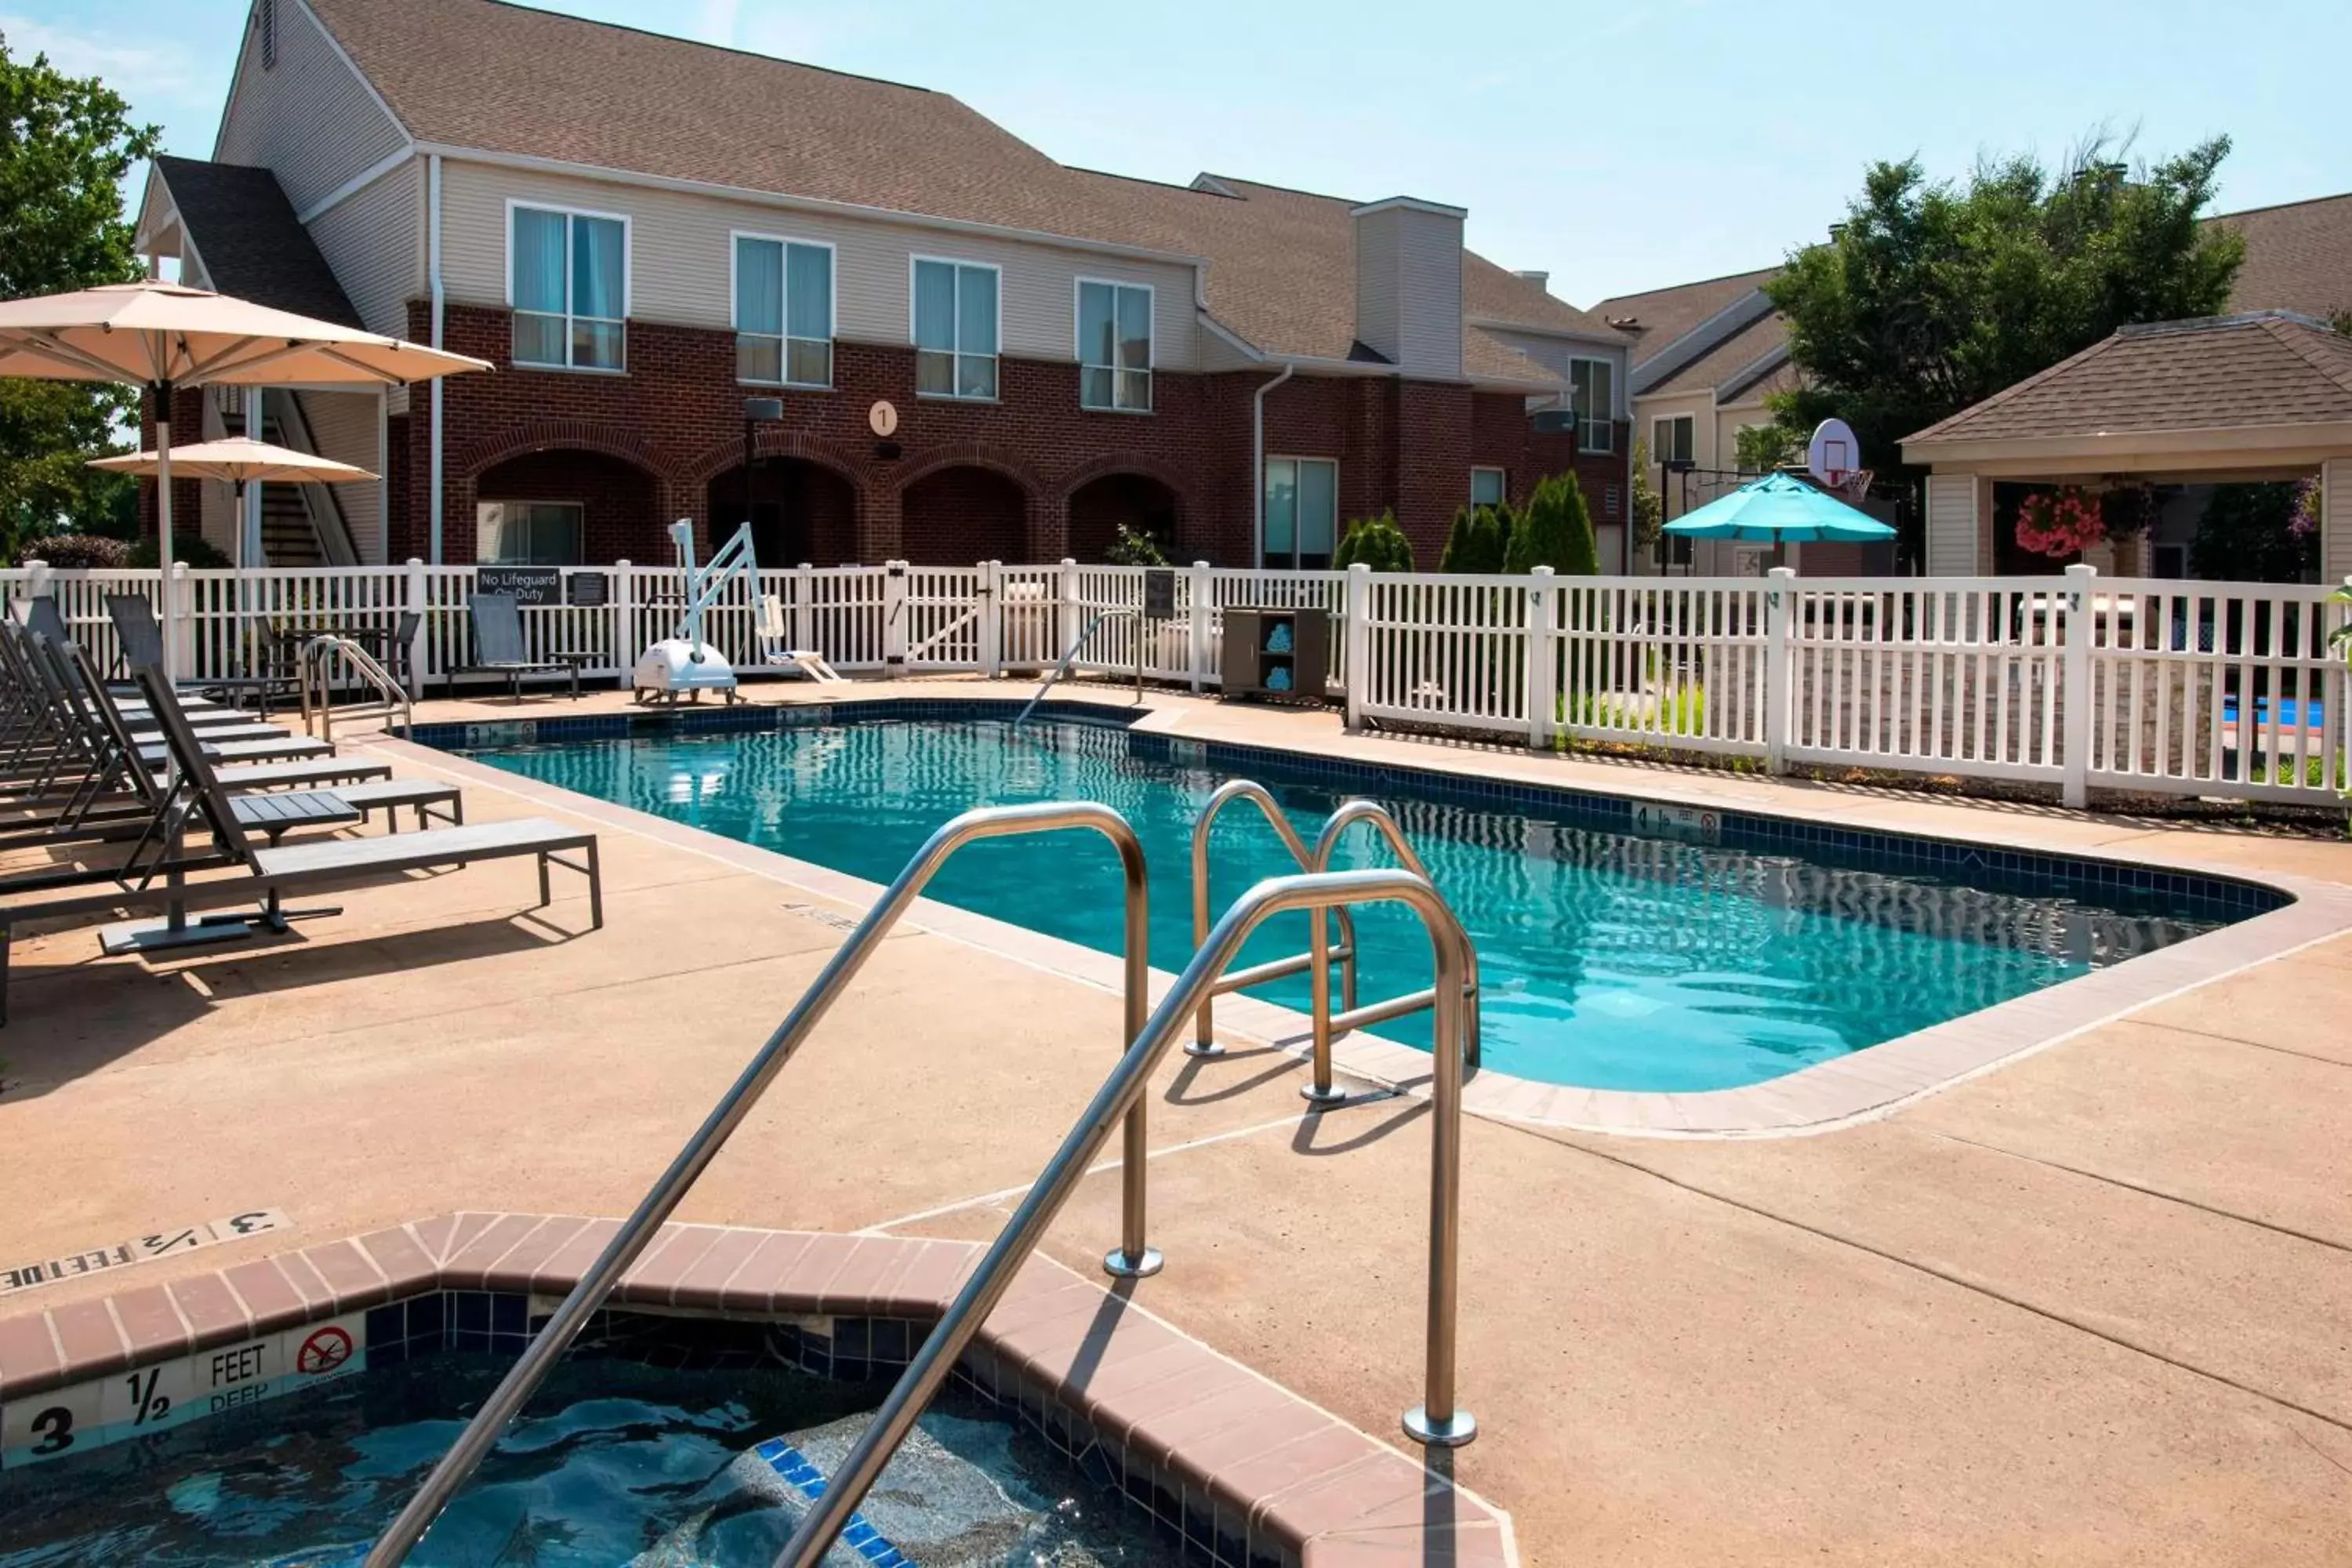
[2077, 680]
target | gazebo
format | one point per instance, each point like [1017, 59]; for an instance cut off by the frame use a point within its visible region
[2265, 396]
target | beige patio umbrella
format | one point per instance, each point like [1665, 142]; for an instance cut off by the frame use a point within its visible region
[239, 459]
[164, 335]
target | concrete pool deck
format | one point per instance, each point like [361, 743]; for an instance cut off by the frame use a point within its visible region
[2094, 1306]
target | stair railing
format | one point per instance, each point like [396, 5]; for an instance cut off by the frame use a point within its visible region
[1133, 1257]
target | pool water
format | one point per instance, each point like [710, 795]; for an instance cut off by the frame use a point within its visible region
[1610, 960]
[614, 1462]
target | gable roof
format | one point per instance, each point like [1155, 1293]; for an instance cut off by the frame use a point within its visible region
[245, 232]
[501, 77]
[2215, 372]
[1656, 318]
[1736, 365]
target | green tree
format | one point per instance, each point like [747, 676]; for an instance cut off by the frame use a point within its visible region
[67, 144]
[1761, 448]
[1649, 505]
[1555, 530]
[1477, 542]
[1376, 541]
[1931, 296]
[1133, 547]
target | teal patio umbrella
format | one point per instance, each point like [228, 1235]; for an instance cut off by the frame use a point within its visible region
[1779, 510]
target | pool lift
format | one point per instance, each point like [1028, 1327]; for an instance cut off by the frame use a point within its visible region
[684, 662]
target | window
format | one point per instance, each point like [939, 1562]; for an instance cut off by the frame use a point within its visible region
[1486, 487]
[1670, 440]
[527, 533]
[955, 329]
[568, 281]
[1592, 393]
[1302, 512]
[1114, 346]
[783, 311]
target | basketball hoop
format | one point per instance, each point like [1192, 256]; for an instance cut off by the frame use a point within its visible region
[1854, 486]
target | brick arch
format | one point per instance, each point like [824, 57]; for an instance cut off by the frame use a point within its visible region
[1122, 463]
[546, 435]
[972, 454]
[770, 442]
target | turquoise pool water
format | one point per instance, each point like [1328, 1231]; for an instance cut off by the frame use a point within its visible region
[1610, 960]
[613, 1463]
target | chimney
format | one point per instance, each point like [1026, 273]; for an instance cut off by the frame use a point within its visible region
[1536, 276]
[1409, 285]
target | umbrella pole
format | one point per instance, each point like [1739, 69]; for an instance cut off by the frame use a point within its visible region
[164, 531]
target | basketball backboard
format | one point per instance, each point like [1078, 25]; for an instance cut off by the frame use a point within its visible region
[1833, 455]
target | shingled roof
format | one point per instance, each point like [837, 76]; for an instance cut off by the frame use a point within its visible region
[2217, 373]
[2298, 257]
[506, 79]
[244, 233]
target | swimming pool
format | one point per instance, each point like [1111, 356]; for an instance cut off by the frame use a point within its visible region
[1694, 955]
[616, 1460]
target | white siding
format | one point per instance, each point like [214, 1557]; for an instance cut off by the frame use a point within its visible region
[679, 246]
[309, 117]
[1952, 525]
[1409, 289]
[1554, 353]
[343, 424]
[375, 240]
[2335, 520]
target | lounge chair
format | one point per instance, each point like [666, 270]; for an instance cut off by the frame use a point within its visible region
[498, 646]
[252, 873]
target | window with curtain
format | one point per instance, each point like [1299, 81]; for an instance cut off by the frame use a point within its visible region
[568, 280]
[1115, 346]
[1592, 393]
[955, 329]
[1671, 440]
[783, 311]
[1486, 487]
[1302, 512]
[527, 533]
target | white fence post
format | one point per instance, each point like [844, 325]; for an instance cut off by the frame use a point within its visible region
[1066, 618]
[2076, 686]
[415, 600]
[624, 618]
[803, 611]
[1779, 665]
[992, 619]
[1542, 672]
[37, 579]
[1204, 605]
[179, 611]
[894, 618]
[1358, 681]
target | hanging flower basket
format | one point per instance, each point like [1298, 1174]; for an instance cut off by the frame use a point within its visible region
[2064, 522]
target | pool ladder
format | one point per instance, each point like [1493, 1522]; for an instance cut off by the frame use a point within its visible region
[1320, 954]
[1150, 1033]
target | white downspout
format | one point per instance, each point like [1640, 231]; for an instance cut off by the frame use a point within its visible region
[1258, 461]
[433, 259]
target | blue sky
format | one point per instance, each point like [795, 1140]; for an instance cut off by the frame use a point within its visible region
[1668, 143]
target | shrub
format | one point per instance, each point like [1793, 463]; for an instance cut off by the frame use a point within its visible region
[1377, 543]
[1133, 547]
[1478, 540]
[75, 550]
[1555, 530]
[191, 548]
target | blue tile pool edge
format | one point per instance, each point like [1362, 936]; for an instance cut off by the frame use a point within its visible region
[2233, 897]
[1825, 1097]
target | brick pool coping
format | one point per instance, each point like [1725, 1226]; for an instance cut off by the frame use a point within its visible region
[1823, 1096]
[1175, 1409]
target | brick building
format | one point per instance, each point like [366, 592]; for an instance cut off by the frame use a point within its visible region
[979, 353]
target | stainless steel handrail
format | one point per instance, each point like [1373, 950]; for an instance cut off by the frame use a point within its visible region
[1203, 1042]
[315, 656]
[1435, 1421]
[1335, 827]
[1070, 657]
[1133, 1257]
